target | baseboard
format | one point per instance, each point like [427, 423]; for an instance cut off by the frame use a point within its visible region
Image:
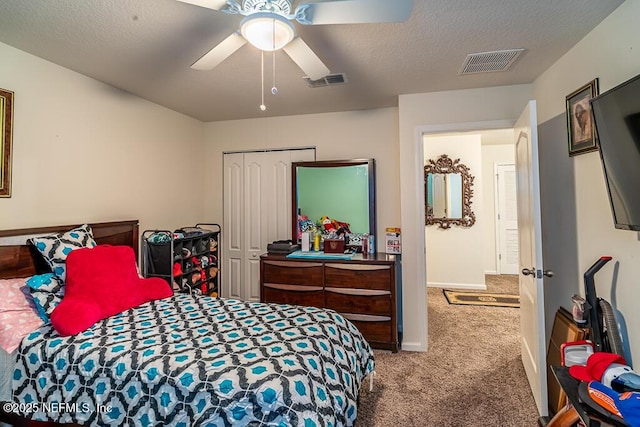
[413, 346]
[491, 272]
[474, 286]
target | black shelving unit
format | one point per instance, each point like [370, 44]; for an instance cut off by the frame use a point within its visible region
[187, 258]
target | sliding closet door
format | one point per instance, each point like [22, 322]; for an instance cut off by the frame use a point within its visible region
[257, 211]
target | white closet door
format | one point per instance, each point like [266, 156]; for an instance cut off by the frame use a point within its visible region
[263, 213]
[232, 226]
[260, 174]
[508, 257]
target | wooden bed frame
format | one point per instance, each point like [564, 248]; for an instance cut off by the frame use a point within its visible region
[18, 258]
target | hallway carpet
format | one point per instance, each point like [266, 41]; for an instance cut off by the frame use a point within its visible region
[471, 375]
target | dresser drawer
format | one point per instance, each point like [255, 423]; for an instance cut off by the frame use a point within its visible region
[292, 273]
[363, 276]
[361, 301]
[293, 294]
[375, 332]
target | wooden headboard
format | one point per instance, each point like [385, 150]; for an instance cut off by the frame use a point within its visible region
[18, 258]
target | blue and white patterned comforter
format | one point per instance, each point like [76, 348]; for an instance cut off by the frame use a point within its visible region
[187, 360]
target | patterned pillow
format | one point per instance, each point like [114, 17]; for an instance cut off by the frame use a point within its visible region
[47, 291]
[55, 248]
[18, 315]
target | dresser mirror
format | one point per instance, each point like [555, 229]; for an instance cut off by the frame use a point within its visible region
[343, 190]
[448, 188]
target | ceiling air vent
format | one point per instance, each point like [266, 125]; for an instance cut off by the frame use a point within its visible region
[328, 80]
[488, 62]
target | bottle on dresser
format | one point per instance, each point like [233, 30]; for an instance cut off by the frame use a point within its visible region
[365, 243]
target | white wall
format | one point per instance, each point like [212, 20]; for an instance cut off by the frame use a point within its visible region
[350, 135]
[85, 151]
[611, 53]
[434, 112]
[455, 256]
[491, 155]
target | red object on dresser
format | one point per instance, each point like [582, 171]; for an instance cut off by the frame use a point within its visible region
[101, 282]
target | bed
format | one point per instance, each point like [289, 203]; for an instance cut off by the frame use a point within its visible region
[187, 360]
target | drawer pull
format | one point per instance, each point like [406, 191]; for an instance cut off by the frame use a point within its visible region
[361, 292]
[359, 267]
[290, 264]
[298, 288]
[366, 317]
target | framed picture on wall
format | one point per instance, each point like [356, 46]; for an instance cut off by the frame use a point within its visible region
[6, 121]
[580, 128]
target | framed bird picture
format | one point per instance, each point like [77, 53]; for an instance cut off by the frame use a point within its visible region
[580, 128]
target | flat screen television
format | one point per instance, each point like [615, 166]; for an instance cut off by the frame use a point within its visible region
[616, 115]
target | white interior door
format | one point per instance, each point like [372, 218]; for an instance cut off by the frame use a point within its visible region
[257, 211]
[232, 226]
[268, 210]
[532, 315]
[507, 220]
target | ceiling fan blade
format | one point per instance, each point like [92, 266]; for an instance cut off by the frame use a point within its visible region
[209, 4]
[222, 51]
[354, 12]
[306, 59]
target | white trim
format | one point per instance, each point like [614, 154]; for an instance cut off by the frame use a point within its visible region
[491, 272]
[475, 286]
[413, 346]
[421, 251]
[268, 150]
[462, 127]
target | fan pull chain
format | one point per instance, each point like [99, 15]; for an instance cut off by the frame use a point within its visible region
[262, 106]
[274, 89]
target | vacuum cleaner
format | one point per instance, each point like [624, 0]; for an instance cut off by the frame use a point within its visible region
[596, 315]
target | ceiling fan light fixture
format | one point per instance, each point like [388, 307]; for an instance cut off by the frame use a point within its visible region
[267, 31]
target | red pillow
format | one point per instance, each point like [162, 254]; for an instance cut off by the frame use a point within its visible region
[101, 282]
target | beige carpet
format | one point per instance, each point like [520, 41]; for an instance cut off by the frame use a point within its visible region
[472, 374]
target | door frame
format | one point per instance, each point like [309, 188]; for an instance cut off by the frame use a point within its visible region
[418, 259]
[421, 247]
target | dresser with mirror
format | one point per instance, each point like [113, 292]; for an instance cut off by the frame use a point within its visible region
[363, 287]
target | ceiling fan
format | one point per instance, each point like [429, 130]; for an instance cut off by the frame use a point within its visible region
[267, 25]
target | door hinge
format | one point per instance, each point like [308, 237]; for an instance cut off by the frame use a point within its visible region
[500, 256]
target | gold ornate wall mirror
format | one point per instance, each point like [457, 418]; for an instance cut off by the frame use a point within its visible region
[448, 188]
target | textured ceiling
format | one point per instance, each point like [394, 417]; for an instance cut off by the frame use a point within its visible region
[146, 47]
